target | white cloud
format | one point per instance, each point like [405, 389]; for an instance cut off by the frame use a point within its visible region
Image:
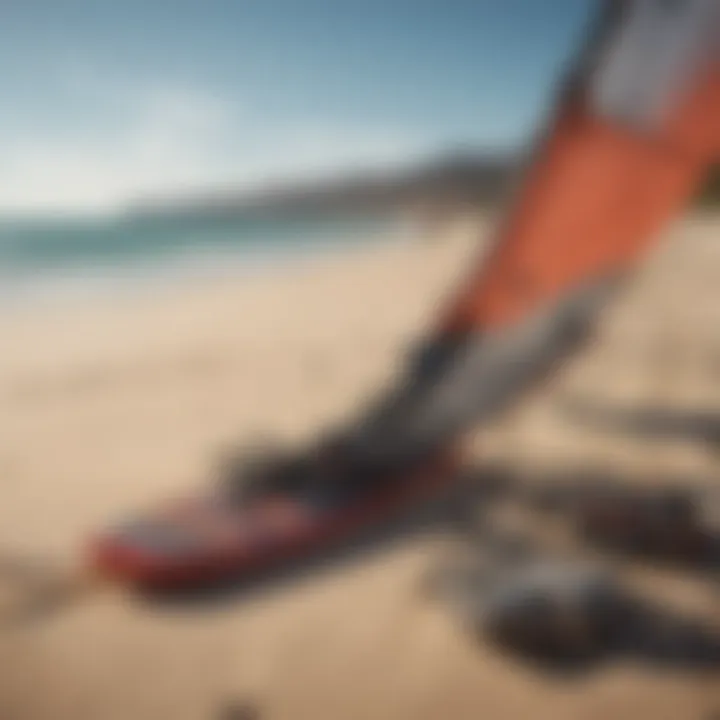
[166, 136]
[155, 139]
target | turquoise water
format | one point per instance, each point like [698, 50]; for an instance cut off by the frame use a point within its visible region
[45, 258]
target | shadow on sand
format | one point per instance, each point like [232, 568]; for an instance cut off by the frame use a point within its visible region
[647, 422]
[648, 635]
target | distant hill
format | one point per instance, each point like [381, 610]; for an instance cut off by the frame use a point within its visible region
[451, 181]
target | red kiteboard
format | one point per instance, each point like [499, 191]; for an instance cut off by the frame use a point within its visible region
[209, 538]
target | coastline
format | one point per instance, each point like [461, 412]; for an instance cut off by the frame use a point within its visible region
[89, 276]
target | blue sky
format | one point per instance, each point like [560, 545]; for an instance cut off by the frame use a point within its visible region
[103, 101]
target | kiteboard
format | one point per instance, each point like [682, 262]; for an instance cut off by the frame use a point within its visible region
[212, 537]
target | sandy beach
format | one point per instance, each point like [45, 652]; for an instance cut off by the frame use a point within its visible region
[111, 407]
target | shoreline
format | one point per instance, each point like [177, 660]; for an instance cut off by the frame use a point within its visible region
[143, 277]
[200, 272]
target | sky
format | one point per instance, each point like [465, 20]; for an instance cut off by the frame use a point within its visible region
[103, 101]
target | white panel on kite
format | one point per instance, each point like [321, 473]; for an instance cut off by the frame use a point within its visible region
[652, 57]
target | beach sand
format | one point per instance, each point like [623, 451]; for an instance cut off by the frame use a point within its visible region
[109, 408]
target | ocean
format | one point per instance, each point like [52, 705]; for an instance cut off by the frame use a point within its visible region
[49, 260]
